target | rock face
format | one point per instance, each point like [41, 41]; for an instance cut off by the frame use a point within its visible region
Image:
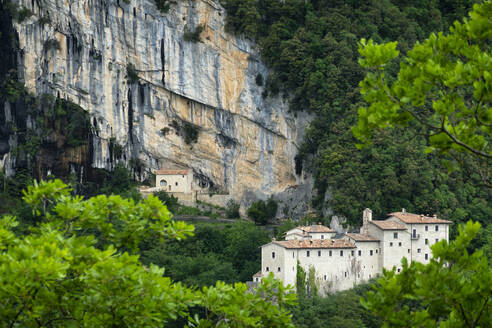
[88, 51]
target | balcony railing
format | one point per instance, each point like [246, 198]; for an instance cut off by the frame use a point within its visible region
[415, 236]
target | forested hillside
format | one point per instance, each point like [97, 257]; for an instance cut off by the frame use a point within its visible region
[311, 48]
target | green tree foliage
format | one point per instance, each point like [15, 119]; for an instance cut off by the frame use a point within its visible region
[170, 201]
[311, 281]
[300, 281]
[232, 209]
[453, 290]
[339, 310]
[60, 274]
[193, 36]
[262, 211]
[444, 83]
[227, 252]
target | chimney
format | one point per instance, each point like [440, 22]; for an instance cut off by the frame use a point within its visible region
[367, 215]
[403, 210]
[273, 239]
[366, 218]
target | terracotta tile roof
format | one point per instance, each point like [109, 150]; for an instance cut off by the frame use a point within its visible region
[416, 218]
[172, 172]
[361, 237]
[316, 228]
[388, 225]
[258, 274]
[318, 243]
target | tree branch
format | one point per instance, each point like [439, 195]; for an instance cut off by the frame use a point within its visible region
[462, 144]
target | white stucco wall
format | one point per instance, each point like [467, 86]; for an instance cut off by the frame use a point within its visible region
[174, 182]
[418, 246]
[322, 235]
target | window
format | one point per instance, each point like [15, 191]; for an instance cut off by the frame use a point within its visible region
[267, 269]
[409, 251]
[163, 183]
[319, 253]
[329, 253]
[358, 275]
[437, 240]
[176, 183]
[395, 235]
[426, 256]
[273, 255]
[414, 235]
[398, 270]
[307, 253]
[370, 252]
[426, 241]
[325, 277]
[426, 228]
[322, 236]
[278, 269]
[353, 252]
[293, 269]
[399, 244]
[376, 251]
[418, 250]
[341, 253]
[293, 254]
[360, 253]
[345, 274]
[391, 244]
[437, 228]
[257, 279]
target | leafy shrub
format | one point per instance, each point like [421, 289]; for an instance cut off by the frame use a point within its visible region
[131, 74]
[193, 36]
[43, 20]
[169, 200]
[163, 5]
[165, 130]
[261, 211]
[23, 14]
[52, 44]
[116, 148]
[190, 133]
[232, 209]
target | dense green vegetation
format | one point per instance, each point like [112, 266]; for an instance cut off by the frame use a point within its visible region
[261, 212]
[312, 49]
[227, 252]
[77, 266]
[340, 310]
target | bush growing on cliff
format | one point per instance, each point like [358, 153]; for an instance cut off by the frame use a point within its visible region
[52, 44]
[193, 36]
[131, 74]
[261, 212]
[163, 5]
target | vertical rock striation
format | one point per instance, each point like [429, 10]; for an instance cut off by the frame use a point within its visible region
[88, 52]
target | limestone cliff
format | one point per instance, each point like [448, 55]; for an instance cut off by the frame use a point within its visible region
[88, 52]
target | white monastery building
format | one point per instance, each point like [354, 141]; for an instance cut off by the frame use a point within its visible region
[355, 257]
[174, 180]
